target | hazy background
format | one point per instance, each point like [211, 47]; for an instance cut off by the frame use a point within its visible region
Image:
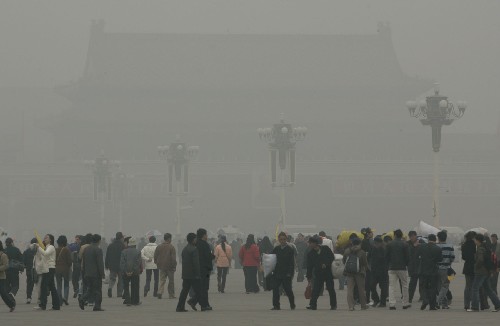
[44, 44]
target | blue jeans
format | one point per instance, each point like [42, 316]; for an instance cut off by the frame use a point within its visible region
[483, 281]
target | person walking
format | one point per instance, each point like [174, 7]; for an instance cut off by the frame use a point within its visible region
[223, 257]
[131, 268]
[63, 268]
[495, 247]
[165, 258]
[112, 263]
[16, 266]
[49, 256]
[397, 254]
[283, 272]
[206, 258]
[355, 256]
[301, 245]
[250, 260]
[28, 258]
[191, 276]
[148, 254]
[4, 265]
[448, 254]
[77, 264]
[413, 268]
[93, 271]
[380, 276]
[265, 248]
[429, 256]
[482, 269]
[319, 266]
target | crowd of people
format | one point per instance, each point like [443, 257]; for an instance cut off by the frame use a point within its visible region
[379, 270]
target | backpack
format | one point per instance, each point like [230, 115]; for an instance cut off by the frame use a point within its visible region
[352, 264]
[490, 260]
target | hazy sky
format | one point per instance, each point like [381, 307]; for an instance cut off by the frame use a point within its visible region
[44, 43]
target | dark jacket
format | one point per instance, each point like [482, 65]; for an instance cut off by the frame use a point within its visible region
[206, 257]
[479, 267]
[301, 251]
[361, 254]
[378, 261]
[316, 260]
[92, 262]
[131, 261]
[285, 262]
[397, 254]
[429, 255]
[113, 255]
[165, 257]
[28, 256]
[190, 262]
[468, 255]
[63, 260]
[13, 253]
[413, 261]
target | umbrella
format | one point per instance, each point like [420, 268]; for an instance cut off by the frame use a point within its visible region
[153, 233]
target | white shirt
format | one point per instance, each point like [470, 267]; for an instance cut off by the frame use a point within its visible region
[49, 255]
[148, 252]
[327, 242]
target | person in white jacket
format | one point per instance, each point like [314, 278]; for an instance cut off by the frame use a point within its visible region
[148, 254]
[46, 261]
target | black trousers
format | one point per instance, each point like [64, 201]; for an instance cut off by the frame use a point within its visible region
[430, 287]
[382, 280]
[412, 286]
[147, 286]
[188, 284]
[75, 278]
[202, 296]
[13, 280]
[221, 278]
[131, 289]
[9, 300]
[287, 287]
[94, 291]
[318, 286]
[250, 273]
[368, 281]
[30, 282]
[48, 283]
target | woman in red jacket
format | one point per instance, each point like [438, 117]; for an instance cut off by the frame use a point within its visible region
[250, 260]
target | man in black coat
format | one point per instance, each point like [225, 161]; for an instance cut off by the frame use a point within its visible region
[429, 255]
[380, 276]
[397, 254]
[93, 271]
[112, 262]
[190, 271]
[16, 256]
[28, 256]
[413, 267]
[283, 272]
[206, 257]
[319, 263]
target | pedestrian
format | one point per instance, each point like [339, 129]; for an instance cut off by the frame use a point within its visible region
[84, 288]
[413, 268]
[380, 273]
[495, 247]
[448, 253]
[4, 265]
[28, 258]
[429, 256]
[191, 277]
[223, 257]
[283, 272]
[482, 269]
[112, 263]
[397, 254]
[49, 259]
[206, 258]
[366, 246]
[131, 268]
[148, 254]
[250, 260]
[356, 257]
[165, 258]
[16, 266]
[301, 246]
[265, 248]
[319, 267]
[236, 246]
[63, 268]
[76, 273]
[93, 271]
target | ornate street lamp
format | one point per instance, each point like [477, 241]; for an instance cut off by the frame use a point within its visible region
[436, 111]
[101, 169]
[178, 155]
[281, 139]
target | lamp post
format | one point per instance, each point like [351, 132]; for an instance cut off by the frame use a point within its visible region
[178, 155]
[281, 140]
[102, 171]
[436, 111]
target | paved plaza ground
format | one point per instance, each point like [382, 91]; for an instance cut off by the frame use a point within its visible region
[237, 308]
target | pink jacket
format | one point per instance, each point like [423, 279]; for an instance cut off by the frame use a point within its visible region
[223, 259]
[250, 257]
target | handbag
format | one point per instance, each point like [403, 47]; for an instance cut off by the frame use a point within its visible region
[308, 292]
